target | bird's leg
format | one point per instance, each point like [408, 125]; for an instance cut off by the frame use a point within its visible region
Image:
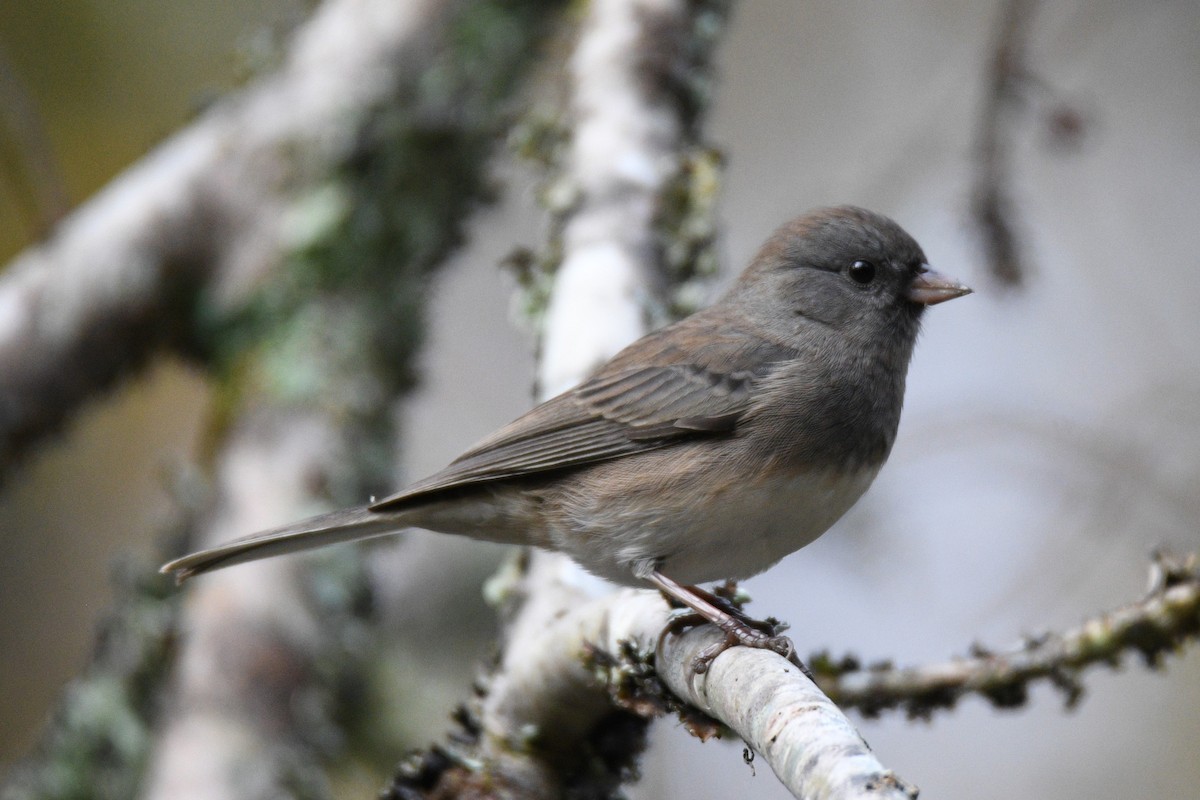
[724, 598]
[681, 622]
[736, 629]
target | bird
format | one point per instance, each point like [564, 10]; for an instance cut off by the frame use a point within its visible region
[704, 451]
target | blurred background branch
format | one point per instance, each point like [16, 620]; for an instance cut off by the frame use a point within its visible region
[1013, 91]
[992, 202]
[1162, 623]
[282, 241]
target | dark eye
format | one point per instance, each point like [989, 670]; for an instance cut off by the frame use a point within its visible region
[862, 272]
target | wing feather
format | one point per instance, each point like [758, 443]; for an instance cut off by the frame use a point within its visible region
[621, 411]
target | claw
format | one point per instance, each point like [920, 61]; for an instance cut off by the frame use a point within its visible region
[738, 627]
[703, 661]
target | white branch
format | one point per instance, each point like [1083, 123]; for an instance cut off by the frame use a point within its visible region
[545, 693]
[782, 714]
[625, 147]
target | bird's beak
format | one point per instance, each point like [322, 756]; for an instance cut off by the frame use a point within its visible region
[930, 288]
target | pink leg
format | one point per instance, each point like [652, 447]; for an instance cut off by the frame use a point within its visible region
[737, 631]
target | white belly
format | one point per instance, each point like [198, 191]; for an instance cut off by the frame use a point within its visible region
[705, 535]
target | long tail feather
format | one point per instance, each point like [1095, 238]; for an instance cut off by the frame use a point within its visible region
[339, 526]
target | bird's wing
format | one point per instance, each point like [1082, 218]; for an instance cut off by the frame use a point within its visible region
[621, 411]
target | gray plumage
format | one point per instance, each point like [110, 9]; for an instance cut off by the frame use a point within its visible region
[710, 448]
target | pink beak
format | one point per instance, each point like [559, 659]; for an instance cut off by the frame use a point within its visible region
[930, 288]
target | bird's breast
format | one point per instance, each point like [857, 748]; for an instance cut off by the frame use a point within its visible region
[768, 518]
[703, 515]
[820, 413]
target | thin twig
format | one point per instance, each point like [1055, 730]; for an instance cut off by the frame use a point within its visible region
[991, 201]
[1162, 622]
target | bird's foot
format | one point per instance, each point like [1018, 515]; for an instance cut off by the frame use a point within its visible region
[722, 610]
[759, 634]
[731, 599]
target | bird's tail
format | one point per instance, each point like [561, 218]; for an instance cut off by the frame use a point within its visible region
[339, 526]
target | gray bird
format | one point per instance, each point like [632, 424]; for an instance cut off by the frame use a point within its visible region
[707, 450]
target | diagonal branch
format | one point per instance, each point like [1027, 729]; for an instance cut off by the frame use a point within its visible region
[191, 229]
[783, 715]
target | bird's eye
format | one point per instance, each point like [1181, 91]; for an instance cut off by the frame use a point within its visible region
[862, 272]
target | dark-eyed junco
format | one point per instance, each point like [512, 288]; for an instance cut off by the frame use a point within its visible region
[707, 450]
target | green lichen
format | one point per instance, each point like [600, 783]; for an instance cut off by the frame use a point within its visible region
[685, 220]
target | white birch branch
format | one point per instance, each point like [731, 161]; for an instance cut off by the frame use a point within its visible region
[546, 696]
[782, 715]
[625, 148]
[624, 144]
